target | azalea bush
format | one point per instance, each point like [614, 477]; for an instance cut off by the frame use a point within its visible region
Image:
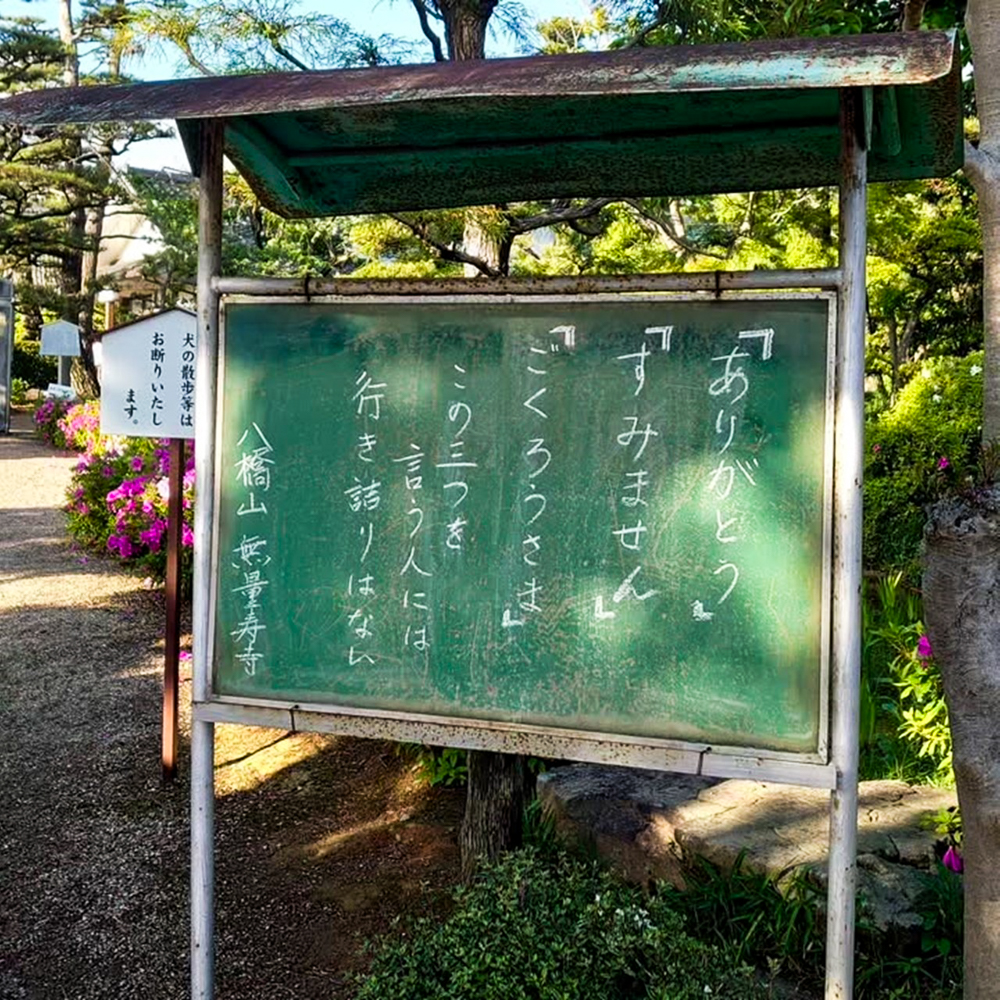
[117, 498]
[48, 421]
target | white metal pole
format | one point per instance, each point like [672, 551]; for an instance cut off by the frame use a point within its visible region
[203, 733]
[848, 464]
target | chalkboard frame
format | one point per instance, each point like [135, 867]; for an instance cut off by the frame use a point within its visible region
[809, 768]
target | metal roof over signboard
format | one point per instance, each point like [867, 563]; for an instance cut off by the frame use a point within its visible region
[680, 120]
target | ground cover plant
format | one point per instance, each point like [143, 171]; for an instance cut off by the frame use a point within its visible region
[553, 926]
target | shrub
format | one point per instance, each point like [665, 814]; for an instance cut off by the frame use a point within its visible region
[26, 363]
[554, 928]
[117, 498]
[19, 391]
[924, 445]
[48, 421]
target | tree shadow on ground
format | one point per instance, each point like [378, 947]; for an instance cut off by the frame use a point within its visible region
[320, 841]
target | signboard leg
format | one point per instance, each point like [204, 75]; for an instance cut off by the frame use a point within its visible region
[172, 643]
[847, 555]
[203, 733]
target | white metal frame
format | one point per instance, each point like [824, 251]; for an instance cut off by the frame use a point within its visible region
[841, 773]
[688, 756]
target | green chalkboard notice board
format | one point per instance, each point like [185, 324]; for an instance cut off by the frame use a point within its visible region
[607, 516]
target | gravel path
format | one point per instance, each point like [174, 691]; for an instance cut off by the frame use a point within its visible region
[320, 841]
[84, 877]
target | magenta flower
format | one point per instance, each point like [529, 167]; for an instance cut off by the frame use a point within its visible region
[924, 648]
[953, 860]
[187, 536]
[943, 463]
[185, 656]
[876, 448]
[137, 464]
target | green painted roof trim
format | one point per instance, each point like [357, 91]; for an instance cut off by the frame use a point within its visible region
[667, 121]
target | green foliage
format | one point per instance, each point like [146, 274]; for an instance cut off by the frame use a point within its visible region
[928, 965]
[923, 713]
[779, 924]
[554, 928]
[927, 443]
[18, 391]
[904, 733]
[27, 364]
[760, 919]
[442, 766]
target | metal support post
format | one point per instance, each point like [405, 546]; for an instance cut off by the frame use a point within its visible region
[172, 635]
[849, 449]
[203, 733]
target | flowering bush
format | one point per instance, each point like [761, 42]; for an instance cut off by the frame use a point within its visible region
[117, 498]
[81, 425]
[48, 421]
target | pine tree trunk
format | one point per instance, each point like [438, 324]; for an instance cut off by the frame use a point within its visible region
[494, 808]
[496, 788]
[962, 611]
[465, 26]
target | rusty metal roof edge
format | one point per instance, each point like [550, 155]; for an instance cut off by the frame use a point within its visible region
[900, 59]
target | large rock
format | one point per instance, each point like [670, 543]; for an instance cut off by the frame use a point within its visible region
[648, 823]
[616, 809]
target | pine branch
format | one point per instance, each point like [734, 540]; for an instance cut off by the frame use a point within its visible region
[425, 26]
[285, 54]
[639, 38]
[446, 251]
[561, 212]
[667, 230]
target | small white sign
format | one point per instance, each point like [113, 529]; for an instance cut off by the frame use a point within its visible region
[147, 376]
[60, 339]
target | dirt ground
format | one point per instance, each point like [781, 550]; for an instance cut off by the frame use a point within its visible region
[320, 841]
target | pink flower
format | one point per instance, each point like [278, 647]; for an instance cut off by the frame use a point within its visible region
[187, 536]
[924, 648]
[185, 656]
[876, 448]
[137, 464]
[953, 860]
[943, 463]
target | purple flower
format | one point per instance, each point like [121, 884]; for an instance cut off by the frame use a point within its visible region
[185, 656]
[953, 860]
[924, 648]
[187, 536]
[136, 464]
[943, 463]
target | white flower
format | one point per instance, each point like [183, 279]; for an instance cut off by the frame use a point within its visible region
[975, 369]
[925, 373]
[936, 397]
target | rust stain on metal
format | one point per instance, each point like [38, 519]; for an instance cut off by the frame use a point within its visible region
[801, 63]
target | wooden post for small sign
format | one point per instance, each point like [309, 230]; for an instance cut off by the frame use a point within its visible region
[172, 643]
